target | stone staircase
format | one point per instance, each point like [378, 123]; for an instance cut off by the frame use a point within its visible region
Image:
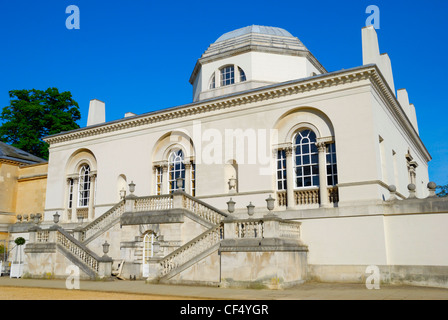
[218, 251]
[190, 253]
[75, 248]
[57, 240]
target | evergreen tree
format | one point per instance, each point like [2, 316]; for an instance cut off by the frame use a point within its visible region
[34, 114]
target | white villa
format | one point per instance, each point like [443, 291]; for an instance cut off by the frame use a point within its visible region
[278, 172]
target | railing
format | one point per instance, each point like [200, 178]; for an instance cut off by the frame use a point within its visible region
[249, 229]
[103, 221]
[289, 229]
[82, 212]
[161, 202]
[333, 194]
[191, 250]
[42, 236]
[202, 209]
[281, 198]
[88, 258]
[309, 196]
[152, 203]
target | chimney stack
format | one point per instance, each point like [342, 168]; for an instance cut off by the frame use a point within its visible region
[97, 112]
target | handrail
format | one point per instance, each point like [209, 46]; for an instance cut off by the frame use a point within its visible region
[191, 249]
[202, 209]
[157, 202]
[88, 257]
[105, 219]
[204, 204]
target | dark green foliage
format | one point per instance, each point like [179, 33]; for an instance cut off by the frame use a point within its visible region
[34, 114]
[443, 191]
[19, 241]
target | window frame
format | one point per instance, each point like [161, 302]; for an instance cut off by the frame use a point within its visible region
[305, 159]
[224, 71]
[242, 74]
[175, 158]
[84, 183]
[281, 173]
[331, 163]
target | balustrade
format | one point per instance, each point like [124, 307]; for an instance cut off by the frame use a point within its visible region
[308, 196]
[281, 198]
[304, 197]
[249, 229]
[78, 251]
[191, 250]
[42, 236]
[202, 210]
[152, 203]
[103, 221]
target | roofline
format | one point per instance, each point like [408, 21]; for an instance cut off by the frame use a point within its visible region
[169, 109]
[369, 71]
[257, 48]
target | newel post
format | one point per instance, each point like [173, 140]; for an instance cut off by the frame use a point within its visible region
[130, 199]
[270, 227]
[178, 197]
[105, 263]
[229, 224]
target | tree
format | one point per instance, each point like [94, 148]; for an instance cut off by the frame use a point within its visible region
[443, 191]
[34, 114]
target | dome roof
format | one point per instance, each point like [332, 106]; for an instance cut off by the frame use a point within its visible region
[273, 31]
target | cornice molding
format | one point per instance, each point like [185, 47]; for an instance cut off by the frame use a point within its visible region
[289, 88]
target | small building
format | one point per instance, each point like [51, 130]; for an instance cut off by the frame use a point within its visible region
[23, 183]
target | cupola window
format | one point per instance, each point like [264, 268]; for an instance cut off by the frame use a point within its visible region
[227, 76]
[242, 75]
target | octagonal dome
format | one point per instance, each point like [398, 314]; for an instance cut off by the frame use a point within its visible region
[273, 31]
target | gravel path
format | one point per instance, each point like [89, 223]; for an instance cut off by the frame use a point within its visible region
[20, 293]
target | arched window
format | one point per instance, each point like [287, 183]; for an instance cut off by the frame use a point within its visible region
[227, 76]
[212, 82]
[306, 165]
[242, 75]
[84, 186]
[148, 246]
[176, 168]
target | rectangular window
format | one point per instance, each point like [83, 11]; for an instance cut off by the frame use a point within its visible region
[332, 172]
[281, 170]
[70, 194]
[84, 192]
[159, 175]
[193, 180]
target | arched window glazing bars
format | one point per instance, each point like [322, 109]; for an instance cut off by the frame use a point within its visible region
[306, 159]
[176, 169]
[84, 186]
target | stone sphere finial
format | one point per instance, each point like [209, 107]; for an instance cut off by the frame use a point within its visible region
[432, 189]
[392, 188]
[411, 188]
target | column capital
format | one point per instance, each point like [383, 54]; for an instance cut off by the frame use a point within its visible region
[321, 146]
[288, 151]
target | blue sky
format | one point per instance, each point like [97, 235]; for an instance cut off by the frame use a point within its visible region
[138, 55]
